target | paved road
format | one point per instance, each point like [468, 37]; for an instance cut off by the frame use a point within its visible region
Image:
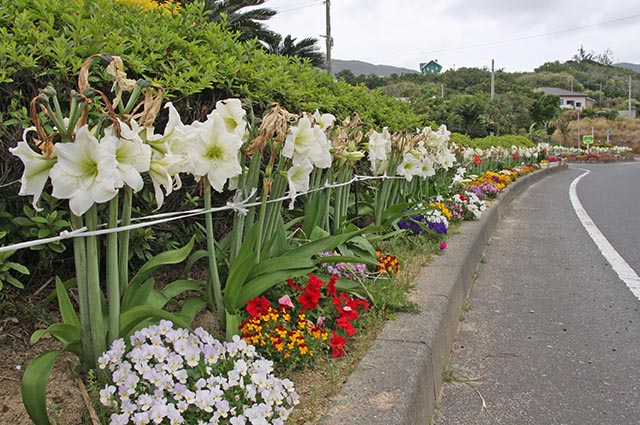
[611, 196]
[552, 335]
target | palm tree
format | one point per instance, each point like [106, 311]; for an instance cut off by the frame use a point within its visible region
[307, 48]
[250, 23]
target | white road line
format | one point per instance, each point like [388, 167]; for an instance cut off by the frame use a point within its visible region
[619, 265]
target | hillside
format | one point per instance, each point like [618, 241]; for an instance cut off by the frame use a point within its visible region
[632, 66]
[365, 68]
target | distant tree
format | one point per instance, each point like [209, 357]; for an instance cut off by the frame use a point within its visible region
[583, 55]
[374, 81]
[307, 48]
[347, 75]
[468, 80]
[562, 124]
[249, 23]
[545, 108]
[499, 116]
[468, 114]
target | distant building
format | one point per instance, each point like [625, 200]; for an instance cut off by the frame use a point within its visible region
[569, 99]
[431, 67]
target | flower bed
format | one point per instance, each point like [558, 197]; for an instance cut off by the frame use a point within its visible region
[295, 280]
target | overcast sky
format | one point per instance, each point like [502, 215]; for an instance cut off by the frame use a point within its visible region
[519, 35]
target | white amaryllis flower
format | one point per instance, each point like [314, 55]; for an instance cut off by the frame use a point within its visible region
[175, 137]
[132, 154]
[233, 115]
[379, 147]
[214, 152]
[325, 121]
[298, 177]
[36, 169]
[164, 171]
[427, 168]
[305, 141]
[85, 172]
[410, 166]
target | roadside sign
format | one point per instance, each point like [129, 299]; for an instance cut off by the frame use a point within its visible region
[587, 139]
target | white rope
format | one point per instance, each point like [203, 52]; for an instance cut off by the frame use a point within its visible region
[239, 206]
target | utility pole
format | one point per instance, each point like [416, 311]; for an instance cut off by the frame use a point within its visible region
[629, 96]
[600, 101]
[328, 35]
[493, 80]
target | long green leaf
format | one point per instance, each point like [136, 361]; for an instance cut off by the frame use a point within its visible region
[34, 386]
[67, 311]
[279, 264]
[168, 257]
[137, 295]
[68, 284]
[324, 244]
[190, 308]
[241, 267]
[63, 332]
[182, 285]
[131, 318]
[194, 258]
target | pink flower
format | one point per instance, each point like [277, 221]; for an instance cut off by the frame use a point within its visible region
[320, 322]
[443, 245]
[285, 301]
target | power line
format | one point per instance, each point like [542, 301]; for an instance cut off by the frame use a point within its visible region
[522, 38]
[299, 6]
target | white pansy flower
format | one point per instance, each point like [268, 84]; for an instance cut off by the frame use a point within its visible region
[85, 172]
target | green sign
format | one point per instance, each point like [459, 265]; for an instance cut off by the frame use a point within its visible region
[587, 139]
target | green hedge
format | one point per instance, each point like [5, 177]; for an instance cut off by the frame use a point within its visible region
[197, 62]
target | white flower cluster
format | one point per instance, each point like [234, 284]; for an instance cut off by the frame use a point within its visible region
[91, 170]
[307, 145]
[473, 204]
[500, 153]
[429, 154]
[172, 376]
[436, 216]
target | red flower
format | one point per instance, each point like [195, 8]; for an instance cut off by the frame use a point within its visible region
[331, 286]
[516, 156]
[292, 284]
[345, 324]
[477, 160]
[258, 306]
[337, 344]
[309, 301]
[314, 284]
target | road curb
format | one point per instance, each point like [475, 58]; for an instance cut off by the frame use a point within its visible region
[399, 378]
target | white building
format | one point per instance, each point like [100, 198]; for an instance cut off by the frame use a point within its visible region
[569, 99]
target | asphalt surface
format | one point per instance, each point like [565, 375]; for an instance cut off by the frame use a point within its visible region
[611, 196]
[551, 335]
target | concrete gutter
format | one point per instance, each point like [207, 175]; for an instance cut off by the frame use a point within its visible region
[399, 379]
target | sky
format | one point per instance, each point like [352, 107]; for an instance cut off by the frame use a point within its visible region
[519, 35]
